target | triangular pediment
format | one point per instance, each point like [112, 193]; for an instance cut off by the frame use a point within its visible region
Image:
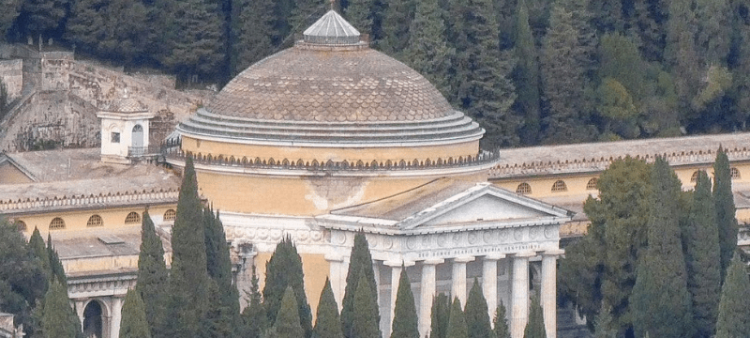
[485, 208]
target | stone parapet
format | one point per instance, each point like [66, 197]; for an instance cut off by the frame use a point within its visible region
[82, 201]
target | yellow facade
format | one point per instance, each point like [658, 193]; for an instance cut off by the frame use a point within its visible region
[315, 269]
[323, 154]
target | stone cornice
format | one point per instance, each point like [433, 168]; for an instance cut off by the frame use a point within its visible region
[75, 202]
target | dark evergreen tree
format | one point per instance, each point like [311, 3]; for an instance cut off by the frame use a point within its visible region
[603, 326]
[305, 13]
[526, 75]
[252, 27]
[255, 321]
[8, 16]
[219, 320]
[219, 267]
[427, 51]
[501, 328]
[440, 316]
[282, 270]
[405, 323]
[364, 324]
[57, 272]
[535, 325]
[39, 250]
[660, 302]
[725, 209]
[42, 18]
[680, 52]
[188, 290]
[360, 263]
[59, 320]
[477, 315]
[607, 16]
[734, 308]
[713, 35]
[134, 323]
[152, 276]
[396, 22]
[360, 13]
[327, 322]
[457, 322]
[287, 323]
[703, 258]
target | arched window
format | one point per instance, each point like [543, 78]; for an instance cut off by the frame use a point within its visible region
[95, 221]
[523, 189]
[559, 186]
[736, 174]
[57, 223]
[133, 217]
[21, 225]
[170, 215]
[592, 184]
[694, 178]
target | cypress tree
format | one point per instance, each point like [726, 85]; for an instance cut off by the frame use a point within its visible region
[360, 14]
[477, 315]
[603, 325]
[38, 249]
[660, 300]
[501, 329]
[405, 314]
[734, 308]
[252, 28]
[282, 270]
[535, 325]
[440, 316]
[152, 275]
[219, 267]
[59, 320]
[287, 323]
[725, 209]
[457, 323]
[526, 75]
[188, 279]
[703, 258]
[134, 324]
[396, 22]
[305, 13]
[57, 272]
[42, 17]
[254, 316]
[360, 263]
[427, 51]
[364, 324]
[327, 322]
[680, 53]
[219, 319]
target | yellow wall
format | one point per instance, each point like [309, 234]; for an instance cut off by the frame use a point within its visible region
[315, 269]
[9, 174]
[352, 155]
[541, 186]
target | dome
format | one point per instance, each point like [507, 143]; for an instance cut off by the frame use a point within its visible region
[125, 105]
[331, 87]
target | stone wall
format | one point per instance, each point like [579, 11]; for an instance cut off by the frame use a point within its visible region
[11, 73]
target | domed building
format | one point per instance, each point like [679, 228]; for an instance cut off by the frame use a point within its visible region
[329, 137]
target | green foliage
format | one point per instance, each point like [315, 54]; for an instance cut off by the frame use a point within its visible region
[42, 17]
[254, 318]
[282, 270]
[56, 272]
[188, 289]
[457, 327]
[405, 323]
[660, 300]
[395, 26]
[152, 275]
[327, 322]
[603, 326]
[220, 319]
[703, 258]
[602, 265]
[219, 267]
[725, 209]
[427, 51]
[535, 325]
[134, 323]
[59, 320]
[526, 74]
[287, 323]
[252, 29]
[365, 325]
[440, 316]
[477, 315]
[360, 14]
[734, 308]
[4, 100]
[8, 16]
[501, 328]
[360, 263]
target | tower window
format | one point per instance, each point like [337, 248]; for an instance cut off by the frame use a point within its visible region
[115, 137]
[170, 215]
[133, 217]
[559, 185]
[523, 189]
[95, 221]
[592, 184]
[57, 223]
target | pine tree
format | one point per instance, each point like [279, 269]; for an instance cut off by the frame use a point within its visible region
[327, 322]
[427, 52]
[457, 323]
[440, 316]
[287, 323]
[188, 280]
[477, 315]
[219, 267]
[364, 324]
[252, 30]
[660, 300]
[59, 320]
[535, 325]
[734, 308]
[526, 74]
[680, 52]
[254, 316]
[501, 328]
[405, 314]
[360, 263]
[603, 325]
[713, 36]
[282, 270]
[360, 14]
[703, 258]
[42, 17]
[396, 22]
[134, 324]
[725, 209]
[305, 13]
[152, 275]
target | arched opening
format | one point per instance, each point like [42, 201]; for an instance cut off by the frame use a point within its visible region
[523, 189]
[694, 177]
[95, 221]
[21, 225]
[132, 218]
[559, 185]
[57, 223]
[137, 136]
[591, 185]
[93, 320]
[170, 215]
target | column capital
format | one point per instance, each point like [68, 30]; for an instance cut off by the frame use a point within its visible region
[553, 252]
[335, 257]
[397, 264]
[433, 261]
[525, 254]
[464, 259]
[494, 257]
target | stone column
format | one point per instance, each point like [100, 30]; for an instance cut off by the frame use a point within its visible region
[338, 269]
[489, 282]
[116, 317]
[458, 278]
[428, 287]
[395, 280]
[520, 294]
[549, 291]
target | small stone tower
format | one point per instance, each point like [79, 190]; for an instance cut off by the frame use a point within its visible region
[125, 130]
